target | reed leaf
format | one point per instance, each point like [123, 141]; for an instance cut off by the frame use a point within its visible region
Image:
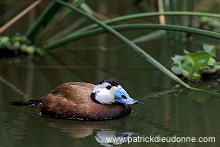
[76, 36]
[132, 46]
[47, 18]
[150, 14]
[48, 28]
[43, 19]
[76, 3]
[149, 36]
[67, 30]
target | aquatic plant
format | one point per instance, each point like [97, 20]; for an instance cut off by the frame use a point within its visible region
[133, 46]
[93, 29]
[193, 66]
[17, 45]
[51, 16]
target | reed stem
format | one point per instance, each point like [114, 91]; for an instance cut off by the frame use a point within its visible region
[132, 46]
[20, 15]
[88, 33]
[150, 14]
[43, 20]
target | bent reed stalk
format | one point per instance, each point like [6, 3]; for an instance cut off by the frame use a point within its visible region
[88, 33]
[91, 29]
[133, 46]
[151, 14]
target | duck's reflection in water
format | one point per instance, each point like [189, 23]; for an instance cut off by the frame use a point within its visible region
[108, 132]
[112, 137]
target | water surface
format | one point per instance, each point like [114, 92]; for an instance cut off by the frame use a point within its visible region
[165, 108]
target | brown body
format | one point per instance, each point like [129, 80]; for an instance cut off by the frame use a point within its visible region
[73, 101]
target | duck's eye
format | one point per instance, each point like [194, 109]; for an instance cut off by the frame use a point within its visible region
[123, 96]
[108, 87]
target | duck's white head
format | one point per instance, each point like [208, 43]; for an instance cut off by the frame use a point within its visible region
[109, 91]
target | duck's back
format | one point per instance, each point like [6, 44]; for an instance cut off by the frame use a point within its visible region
[76, 92]
[73, 101]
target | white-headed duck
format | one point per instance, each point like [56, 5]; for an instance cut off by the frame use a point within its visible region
[85, 101]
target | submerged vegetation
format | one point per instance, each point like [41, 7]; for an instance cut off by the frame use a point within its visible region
[44, 33]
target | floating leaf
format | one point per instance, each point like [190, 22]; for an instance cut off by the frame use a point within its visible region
[176, 70]
[211, 61]
[4, 41]
[209, 49]
[186, 74]
[178, 58]
[217, 67]
[186, 52]
[187, 66]
[193, 65]
[196, 76]
[18, 44]
[199, 64]
[201, 55]
[189, 59]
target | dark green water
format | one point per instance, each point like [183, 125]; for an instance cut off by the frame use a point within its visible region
[165, 109]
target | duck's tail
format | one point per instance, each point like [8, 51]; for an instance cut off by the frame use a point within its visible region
[26, 103]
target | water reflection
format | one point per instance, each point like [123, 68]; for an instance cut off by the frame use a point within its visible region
[112, 137]
[13, 127]
[102, 131]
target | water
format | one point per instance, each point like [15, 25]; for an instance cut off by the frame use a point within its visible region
[165, 109]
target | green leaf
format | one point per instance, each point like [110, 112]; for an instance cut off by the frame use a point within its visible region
[196, 76]
[207, 68]
[133, 46]
[186, 52]
[199, 56]
[192, 65]
[199, 65]
[178, 58]
[189, 59]
[176, 70]
[217, 67]
[188, 66]
[4, 41]
[209, 49]
[211, 61]
[186, 74]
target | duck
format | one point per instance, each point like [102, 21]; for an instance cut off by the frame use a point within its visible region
[85, 101]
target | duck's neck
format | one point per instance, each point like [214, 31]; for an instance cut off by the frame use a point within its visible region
[93, 95]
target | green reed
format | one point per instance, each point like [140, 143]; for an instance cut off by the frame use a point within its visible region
[132, 46]
[98, 27]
